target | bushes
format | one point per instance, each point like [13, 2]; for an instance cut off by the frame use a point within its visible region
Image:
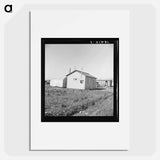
[64, 106]
[71, 110]
[93, 103]
[67, 102]
[76, 100]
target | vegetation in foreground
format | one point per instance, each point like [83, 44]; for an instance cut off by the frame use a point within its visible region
[75, 102]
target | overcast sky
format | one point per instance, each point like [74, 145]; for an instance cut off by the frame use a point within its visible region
[95, 59]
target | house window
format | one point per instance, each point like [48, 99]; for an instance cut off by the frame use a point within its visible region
[75, 79]
[81, 81]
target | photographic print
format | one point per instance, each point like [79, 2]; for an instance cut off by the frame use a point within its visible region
[79, 79]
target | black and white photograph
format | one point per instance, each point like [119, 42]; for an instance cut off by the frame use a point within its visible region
[79, 79]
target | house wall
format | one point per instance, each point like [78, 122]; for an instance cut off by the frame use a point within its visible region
[73, 81]
[90, 83]
[65, 82]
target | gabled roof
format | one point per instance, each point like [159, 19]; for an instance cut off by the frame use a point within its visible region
[81, 72]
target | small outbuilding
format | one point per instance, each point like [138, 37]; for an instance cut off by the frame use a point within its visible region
[109, 83]
[104, 83]
[56, 83]
[79, 80]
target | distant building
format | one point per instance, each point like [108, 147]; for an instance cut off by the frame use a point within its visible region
[101, 83]
[110, 83]
[56, 83]
[79, 80]
[104, 83]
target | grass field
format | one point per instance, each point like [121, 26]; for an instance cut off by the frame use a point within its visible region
[75, 102]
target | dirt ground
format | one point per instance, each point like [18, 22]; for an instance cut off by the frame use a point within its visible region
[104, 108]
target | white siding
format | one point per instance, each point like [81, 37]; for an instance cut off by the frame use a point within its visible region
[74, 81]
[56, 82]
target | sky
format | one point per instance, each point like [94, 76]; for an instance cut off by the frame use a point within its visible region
[95, 59]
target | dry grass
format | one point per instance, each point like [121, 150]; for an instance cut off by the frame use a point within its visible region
[73, 102]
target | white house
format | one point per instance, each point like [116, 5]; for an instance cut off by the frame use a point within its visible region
[80, 80]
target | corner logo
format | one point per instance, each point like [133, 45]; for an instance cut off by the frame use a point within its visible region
[8, 8]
